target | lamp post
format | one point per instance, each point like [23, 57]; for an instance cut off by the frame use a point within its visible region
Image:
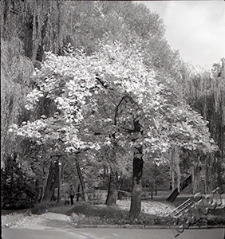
[59, 183]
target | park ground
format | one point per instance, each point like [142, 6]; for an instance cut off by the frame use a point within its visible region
[154, 213]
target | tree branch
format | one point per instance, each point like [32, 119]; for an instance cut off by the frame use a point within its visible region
[102, 83]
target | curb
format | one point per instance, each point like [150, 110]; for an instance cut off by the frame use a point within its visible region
[144, 227]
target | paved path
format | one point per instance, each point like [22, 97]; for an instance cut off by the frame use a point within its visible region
[111, 233]
[57, 226]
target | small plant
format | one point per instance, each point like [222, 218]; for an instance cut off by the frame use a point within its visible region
[39, 208]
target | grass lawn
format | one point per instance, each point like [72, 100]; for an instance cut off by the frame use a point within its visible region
[153, 212]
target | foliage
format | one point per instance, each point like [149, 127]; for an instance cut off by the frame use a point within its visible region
[112, 68]
[70, 97]
[36, 23]
[42, 207]
[156, 174]
[16, 70]
[76, 82]
[16, 186]
[206, 94]
[80, 87]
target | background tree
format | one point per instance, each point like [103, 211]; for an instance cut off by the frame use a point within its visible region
[36, 23]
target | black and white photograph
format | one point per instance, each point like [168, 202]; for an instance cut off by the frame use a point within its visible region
[112, 119]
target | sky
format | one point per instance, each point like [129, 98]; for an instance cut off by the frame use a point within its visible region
[195, 28]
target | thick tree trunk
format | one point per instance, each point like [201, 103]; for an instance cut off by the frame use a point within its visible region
[51, 182]
[172, 169]
[40, 50]
[37, 190]
[27, 38]
[195, 178]
[112, 189]
[135, 207]
[83, 196]
[55, 185]
[219, 175]
[48, 185]
[120, 186]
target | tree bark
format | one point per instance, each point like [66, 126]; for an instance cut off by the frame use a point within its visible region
[37, 190]
[113, 180]
[27, 38]
[40, 50]
[172, 169]
[112, 189]
[48, 185]
[120, 186]
[51, 182]
[135, 207]
[81, 180]
[193, 180]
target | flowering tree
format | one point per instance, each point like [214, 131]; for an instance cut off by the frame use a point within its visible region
[137, 112]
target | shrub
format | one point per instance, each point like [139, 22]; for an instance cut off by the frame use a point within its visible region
[42, 207]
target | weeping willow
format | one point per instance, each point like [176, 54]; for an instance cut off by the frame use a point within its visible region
[28, 28]
[205, 91]
[202, 84]
[15, 72]
[37, 23]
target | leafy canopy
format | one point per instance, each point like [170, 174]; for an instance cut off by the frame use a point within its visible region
[76, 81]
